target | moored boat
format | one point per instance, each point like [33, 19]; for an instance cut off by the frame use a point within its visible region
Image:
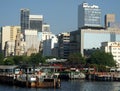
[37, 81]
[26, 77]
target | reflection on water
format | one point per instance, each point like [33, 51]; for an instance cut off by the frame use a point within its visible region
[75, 85]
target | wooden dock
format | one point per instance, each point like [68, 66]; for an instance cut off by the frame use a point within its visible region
[103, 76]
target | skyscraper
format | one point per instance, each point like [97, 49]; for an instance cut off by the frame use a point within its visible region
[8, 37]
[89, 16]
[24, 19]
[63, 44]
[36, 22]
[109, 19]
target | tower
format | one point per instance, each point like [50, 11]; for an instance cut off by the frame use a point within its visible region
[24, 19]
[36, 22]
[17, 45]
[89, 16]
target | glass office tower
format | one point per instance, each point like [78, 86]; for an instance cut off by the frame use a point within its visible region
[24, 19]
[89, 16]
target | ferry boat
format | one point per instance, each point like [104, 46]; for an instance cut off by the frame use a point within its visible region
[37, 81]
[26, 77]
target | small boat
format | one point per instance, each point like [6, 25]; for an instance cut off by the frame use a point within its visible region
[37, 81]
[77, 75]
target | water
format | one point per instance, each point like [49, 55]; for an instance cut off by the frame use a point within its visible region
[76, 85]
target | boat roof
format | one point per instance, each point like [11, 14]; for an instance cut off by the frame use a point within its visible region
[8, 66]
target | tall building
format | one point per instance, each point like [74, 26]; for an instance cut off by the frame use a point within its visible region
[87, 39]
[24, 19]
[31, 40]
[9, 48]
[74, 42]
[36, 22]
[109, 19]
[64, 45]
[50, 45]
[91, 39]
[114, 48]
[89, 16]
[19, 45]
[8, 33]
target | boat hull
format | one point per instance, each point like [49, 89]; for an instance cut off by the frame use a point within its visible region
[47, 83]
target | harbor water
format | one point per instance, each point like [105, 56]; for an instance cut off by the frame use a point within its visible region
[73, 85]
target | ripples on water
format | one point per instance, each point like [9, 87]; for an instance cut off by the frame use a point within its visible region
[75, 85]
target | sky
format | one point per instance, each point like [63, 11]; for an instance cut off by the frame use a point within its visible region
[61, 15]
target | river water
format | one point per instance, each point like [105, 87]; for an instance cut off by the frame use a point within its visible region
[74, 85]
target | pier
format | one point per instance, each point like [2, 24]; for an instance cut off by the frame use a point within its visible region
[103, 76]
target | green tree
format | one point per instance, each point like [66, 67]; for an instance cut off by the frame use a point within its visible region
[18, 59]
[76, 58]
[35, 59]
[8, 61]
[102, 58]
[1, 58]
[21, 60]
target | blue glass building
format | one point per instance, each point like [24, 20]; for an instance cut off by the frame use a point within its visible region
[24, 19]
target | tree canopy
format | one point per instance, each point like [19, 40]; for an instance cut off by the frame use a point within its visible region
[37, 58]
[1, 58]
[101, 58]
[76, 58]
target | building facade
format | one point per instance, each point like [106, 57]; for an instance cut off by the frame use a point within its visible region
[20, 45]
[8, 34]
[31, 40]
[89, 16]
[74, 41]
[109, 19]
[50, 46]
[46, 27]
[9, 48]
[45, 43]
[64, 45]
[114, 48]
[91, 38]
[86, 39]
[36, 22]
[24, 19]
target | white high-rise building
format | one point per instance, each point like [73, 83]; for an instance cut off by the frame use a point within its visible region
[49, 45]
[114, 48]
[8, 33]
[43, 38]
[31, 40]
[89, 16]
[10, 48]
